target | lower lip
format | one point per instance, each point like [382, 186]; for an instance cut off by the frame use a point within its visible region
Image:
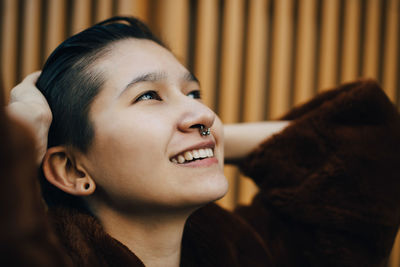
[200, 163]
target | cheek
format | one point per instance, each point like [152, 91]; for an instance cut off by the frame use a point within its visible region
[127, 145]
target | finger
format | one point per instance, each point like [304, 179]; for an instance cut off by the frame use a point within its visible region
[32, 78]
[26, 89]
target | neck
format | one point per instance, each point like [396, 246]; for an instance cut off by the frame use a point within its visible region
[154, 238]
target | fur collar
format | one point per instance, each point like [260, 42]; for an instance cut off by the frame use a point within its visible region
[212, 237]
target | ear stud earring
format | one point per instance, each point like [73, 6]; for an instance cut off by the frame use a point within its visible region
[204, 131]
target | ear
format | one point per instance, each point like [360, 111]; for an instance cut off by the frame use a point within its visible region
[61, 170]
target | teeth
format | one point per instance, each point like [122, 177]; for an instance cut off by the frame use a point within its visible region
[194, 154]
[188, 155]
[181, 159]
[202, 153]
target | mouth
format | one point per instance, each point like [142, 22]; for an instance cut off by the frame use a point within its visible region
[193, 155]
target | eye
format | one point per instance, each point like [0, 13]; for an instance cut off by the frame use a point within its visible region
[195, 94]
[149, 95]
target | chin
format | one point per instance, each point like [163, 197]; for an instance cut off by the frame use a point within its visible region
[209, 192]
[223, 190]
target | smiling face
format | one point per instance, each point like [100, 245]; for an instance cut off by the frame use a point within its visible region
[146, 120]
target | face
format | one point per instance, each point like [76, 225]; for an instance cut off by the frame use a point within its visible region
[146, 120]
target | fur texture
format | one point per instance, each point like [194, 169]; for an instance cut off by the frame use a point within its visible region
[330, 183]
[329, 196]
[26, 238]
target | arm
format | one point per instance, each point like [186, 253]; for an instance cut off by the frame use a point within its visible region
[242, 138]
[29, 106]
[329, 183]
[26, 236]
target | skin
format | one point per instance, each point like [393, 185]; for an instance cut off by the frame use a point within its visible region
[30, 107]
[242, 138]
[145, 132]
[140, 196]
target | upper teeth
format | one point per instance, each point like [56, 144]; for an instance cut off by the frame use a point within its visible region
[193, 154]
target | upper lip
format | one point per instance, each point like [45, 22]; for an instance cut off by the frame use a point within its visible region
[204, 144]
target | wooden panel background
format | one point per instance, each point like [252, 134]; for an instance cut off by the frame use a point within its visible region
[255, 59]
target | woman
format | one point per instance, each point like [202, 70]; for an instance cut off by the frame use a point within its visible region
[134, 158]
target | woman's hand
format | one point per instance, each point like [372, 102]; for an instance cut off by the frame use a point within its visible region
[242, 138]
[27, 104]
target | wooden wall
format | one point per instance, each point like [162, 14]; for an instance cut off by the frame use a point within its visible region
[255, 59]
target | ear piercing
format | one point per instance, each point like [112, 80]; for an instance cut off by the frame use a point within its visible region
[87, 186]
[204, 131]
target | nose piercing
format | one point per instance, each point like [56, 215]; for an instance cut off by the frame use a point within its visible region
[203, 130]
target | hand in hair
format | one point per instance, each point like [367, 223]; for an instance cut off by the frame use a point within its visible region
[28, 105]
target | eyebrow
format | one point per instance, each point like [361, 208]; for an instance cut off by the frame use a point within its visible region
[189, 77]
[147, 77]
[156, 77]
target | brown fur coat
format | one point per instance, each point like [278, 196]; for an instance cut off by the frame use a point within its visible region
[329, 196]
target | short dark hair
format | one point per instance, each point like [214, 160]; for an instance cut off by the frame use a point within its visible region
[69, 83]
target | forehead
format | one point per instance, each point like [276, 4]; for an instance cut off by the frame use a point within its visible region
[129, 58]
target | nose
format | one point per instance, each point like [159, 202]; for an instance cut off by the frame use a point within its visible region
[195, 115]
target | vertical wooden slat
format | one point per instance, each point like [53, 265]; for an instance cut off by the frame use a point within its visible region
[206, 49]
[174, 26]
[255, 82]
[231, 62]
[372, 39]
[281, 58]
[55, 26]
[391, 45]
[351, 41]
[329, 44]
[394, 260]
[305, 53]
[103, 10]
[9, 47]
[229, 201]
[125, 7]
[30, 60]
[137, 8]
[81, 15]
[232, 45]
[256, 54]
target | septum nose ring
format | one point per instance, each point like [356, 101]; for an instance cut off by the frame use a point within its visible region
[204, 131]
